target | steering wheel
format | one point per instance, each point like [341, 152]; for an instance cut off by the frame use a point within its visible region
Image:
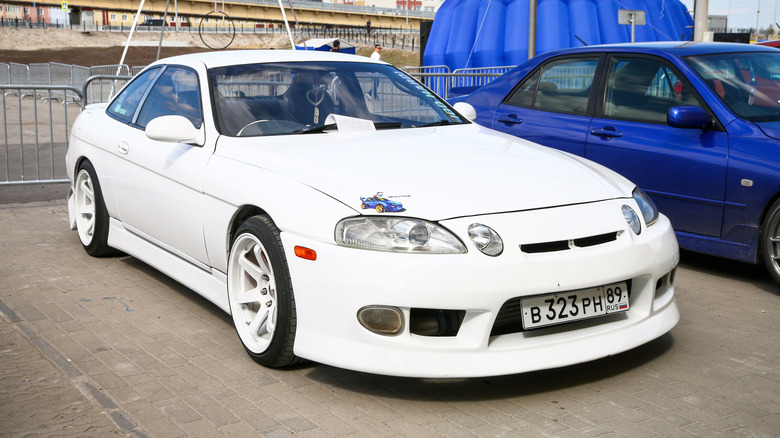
[252, 128]
[268, 127]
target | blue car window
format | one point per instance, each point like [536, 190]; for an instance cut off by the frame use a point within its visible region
[523, 95]
[564, 85]
[644, 89]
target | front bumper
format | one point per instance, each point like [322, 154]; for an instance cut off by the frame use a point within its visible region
[330, 291]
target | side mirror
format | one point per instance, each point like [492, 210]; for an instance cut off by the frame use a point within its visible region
[174, 129]
[466, 110]
[688, 117]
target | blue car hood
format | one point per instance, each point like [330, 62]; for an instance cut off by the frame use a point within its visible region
[771, 129]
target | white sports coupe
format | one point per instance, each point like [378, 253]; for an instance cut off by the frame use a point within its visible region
[343, 213]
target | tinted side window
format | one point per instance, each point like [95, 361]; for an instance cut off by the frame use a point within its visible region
[644, 89]
[524, 94]
[125, 104]
[175, 93]
[563, 86]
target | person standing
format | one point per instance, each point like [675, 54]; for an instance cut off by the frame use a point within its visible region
[377, 55]
[336, 46]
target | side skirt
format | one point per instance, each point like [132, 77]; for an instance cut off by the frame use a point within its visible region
[211, 284]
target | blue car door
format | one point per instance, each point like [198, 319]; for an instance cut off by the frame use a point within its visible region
[683, 170]
[553, 105]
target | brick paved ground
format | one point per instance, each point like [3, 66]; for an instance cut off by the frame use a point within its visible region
[110, 347]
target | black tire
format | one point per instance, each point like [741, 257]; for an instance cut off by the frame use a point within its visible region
[769, 241]
[266, 292]
[91, 214]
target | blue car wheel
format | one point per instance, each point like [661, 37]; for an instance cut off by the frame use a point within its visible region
[770, 241]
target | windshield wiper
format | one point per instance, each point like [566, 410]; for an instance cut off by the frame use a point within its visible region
[314, 129]
[387, 125]
[439, 123]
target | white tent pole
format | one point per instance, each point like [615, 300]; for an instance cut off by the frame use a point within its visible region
[127, 44]
[287, 25]
[162, 31]
[130, 37]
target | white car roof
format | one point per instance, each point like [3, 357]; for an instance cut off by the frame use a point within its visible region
[238, 57]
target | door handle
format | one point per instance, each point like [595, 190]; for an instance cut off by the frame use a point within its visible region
[510, 119]
[607, 132]
[123, 148]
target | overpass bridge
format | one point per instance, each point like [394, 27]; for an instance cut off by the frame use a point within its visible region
[251, 12]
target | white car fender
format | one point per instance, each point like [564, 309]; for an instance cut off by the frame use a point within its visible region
[289, 203]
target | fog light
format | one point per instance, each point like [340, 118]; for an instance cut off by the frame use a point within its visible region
[486, 239]
[381, 319]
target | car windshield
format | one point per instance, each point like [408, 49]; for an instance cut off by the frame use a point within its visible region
[748, 83]
[297, 98]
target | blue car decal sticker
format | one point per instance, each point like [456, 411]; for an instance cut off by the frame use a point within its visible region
[381, 204]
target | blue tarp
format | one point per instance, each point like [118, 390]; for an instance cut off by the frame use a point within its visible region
[326, 45]
[487, 33]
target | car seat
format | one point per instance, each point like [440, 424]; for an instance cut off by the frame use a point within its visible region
[307, 92]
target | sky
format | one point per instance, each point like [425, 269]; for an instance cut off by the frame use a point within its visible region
[742, 13]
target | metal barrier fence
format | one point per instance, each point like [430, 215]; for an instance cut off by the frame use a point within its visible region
[53, 73]
[484, 75]
[101, 88]
[437, 84]
[443, 83]
[35, 133]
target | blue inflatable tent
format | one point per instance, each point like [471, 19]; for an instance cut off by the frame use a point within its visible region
[488, 33]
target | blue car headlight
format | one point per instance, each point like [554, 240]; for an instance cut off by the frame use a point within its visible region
[397, 235]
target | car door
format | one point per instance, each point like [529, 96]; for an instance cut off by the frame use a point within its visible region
[158, 184]
[553, 105]
[683, 170]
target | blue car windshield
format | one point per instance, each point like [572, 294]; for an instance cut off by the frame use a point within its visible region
[297, 98]
[748, 83]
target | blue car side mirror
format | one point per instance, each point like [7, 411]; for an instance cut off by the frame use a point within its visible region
[689, 117]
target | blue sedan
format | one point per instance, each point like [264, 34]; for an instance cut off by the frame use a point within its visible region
[695, 125]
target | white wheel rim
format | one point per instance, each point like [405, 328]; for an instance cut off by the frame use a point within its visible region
[84, 196]
[252, 293]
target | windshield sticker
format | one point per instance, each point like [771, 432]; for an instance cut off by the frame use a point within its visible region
[382, 204]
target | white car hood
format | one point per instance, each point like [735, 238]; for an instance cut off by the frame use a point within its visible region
[435, 173]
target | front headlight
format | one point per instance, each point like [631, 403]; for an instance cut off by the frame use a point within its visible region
[397, 235]
[646, 206]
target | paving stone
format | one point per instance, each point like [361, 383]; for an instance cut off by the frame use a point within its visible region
[121, 350]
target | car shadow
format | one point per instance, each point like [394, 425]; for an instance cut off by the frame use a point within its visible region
[740, 271]
[489, 388]
[174, 285]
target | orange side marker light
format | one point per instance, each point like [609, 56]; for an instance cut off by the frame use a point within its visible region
[306, 253]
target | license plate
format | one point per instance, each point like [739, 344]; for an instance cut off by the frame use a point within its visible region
[572, 306]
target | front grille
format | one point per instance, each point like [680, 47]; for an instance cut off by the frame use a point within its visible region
[510, 317]
[563, 245]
